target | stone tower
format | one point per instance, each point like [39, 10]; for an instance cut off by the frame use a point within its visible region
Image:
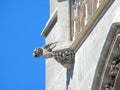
[82, 48]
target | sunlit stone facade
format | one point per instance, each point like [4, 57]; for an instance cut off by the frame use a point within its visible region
[86, 33]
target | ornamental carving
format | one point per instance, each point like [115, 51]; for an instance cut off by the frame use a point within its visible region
[114, 70]
[107, 75]
[63, 55]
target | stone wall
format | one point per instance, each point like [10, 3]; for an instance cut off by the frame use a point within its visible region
[86, 58]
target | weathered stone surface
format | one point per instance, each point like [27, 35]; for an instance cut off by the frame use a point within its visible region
[81, 76]
[60, 51]
[66, 57]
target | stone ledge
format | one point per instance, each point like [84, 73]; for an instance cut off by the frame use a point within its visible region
[51, 22]
[62, 45]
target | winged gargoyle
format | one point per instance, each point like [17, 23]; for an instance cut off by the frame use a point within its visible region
[60, 51]
[45, 51]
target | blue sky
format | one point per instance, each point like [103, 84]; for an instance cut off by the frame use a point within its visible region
[21, 22]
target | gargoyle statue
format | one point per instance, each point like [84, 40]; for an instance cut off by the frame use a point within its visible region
[46, 51]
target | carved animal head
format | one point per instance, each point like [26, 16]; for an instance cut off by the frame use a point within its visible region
[38, 52]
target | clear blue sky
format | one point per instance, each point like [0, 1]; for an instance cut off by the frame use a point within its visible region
[21, 22]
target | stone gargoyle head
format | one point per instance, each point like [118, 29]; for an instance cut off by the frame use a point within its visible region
[38, 52]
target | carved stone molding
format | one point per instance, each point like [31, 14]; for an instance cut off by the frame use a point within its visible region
[114, 71]
[65, 57]
[108, 68]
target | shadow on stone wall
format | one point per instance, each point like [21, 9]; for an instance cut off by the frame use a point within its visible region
[61, 0]
[69, 75]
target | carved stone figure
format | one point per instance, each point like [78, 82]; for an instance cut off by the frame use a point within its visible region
[59, 51]
[65, 57]
[38, 52]
[45, 51]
